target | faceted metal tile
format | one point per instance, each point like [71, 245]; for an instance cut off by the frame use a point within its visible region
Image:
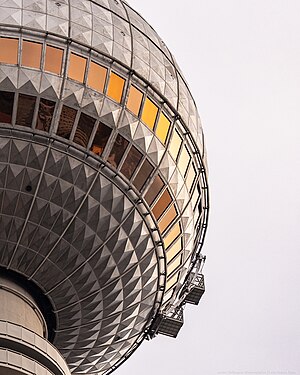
[8, 78]
[128, 124]
[116, 274]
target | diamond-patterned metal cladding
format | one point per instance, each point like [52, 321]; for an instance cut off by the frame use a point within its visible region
[77, 236]
[71, 223]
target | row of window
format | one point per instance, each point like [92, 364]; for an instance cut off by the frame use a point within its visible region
[79, 127]
[38, 113]
[40, 116]
[95, 76]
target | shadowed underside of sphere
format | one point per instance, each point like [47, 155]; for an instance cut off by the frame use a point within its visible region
[103, 191]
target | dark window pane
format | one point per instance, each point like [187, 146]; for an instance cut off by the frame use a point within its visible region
[45, 114]
[131, 162]
[66, 121]
[6, 106]
[154, 190]
[84, 129]
[102, 134]
[162, 204]
[117, 151]
[26, 105]
[143, 175]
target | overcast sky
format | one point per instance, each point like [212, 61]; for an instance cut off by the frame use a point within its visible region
[242, 61]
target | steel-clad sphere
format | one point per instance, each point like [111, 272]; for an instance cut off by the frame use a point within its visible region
[103, 189]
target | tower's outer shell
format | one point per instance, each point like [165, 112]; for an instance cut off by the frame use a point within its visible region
[103, 192]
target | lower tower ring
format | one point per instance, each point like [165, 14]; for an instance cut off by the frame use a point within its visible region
[68, 227]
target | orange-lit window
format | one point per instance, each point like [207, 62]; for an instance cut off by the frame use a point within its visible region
[134, 100]
[97, 77]
[175, 145]
[117, 151]
[6, 106]
[191, 175]
[53, 59]
[149, 113]
[172, 267]
[162, 204]
[143, 175]
[26, 106]
[102, 134]
[77, 66]
[131, 162]
[9, 50]
[184, 160]
[31, 54]
[115, 87]
[162, 128]
[154, 190]
[172, 235]
[66, 121]
[168, 218]
[84, 129]
[172, 281]
[174, 250]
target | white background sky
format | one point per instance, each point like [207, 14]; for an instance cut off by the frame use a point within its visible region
[242, 61]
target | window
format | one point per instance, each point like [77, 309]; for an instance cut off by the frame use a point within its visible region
[172, 281]
[168, 218]
[117, 151]
[96, 76]
[162, 204]
[134, 100]
[162, 128]
[131, 162]
[190, 178]
[143, 175]
[174, 265]
[53, 59]
[45, 114]
[115, 87]
[184, 160]
[101, 137]
[31, 54]
[174, 250]
[149, 113]
[66, 121]
[175, 145]
[195, 197]
[9, 50]
[26, 105]
[84, 129]
[172, 235]
[77, 66]
[154, 190]
[167, 296]
[6, 106]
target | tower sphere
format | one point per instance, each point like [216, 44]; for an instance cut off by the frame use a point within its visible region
[103, 189]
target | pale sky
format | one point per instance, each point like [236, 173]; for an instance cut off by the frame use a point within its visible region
[241, 59]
